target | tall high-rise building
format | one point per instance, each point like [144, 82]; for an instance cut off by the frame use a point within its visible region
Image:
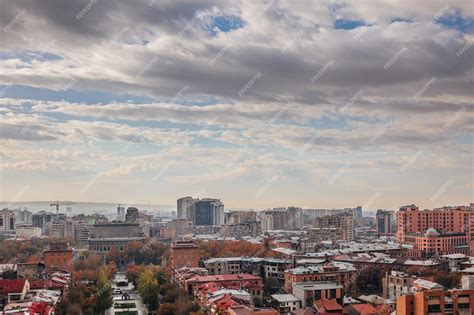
[440, 231]
[207, 211]
[120, 213]
[23, 215]
[383, 221]
[184, 207]
[41, 218]
[448, 219]
[7, 220]
[342, 221]
[132, 214]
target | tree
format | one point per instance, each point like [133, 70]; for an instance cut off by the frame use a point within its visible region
[369, 281]
[148, 288]
[132, 273]
[104, 299]
[271, 285]
[167, 309]
[449, 281]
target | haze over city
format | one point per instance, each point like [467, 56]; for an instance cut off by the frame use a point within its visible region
[259, 103]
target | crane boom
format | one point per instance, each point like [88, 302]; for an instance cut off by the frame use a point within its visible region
[62, 203]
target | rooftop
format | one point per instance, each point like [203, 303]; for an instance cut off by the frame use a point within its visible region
[11, 286]
[320, 285]
[225, 277]
[285, 298]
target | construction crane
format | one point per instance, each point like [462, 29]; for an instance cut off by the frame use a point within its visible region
[62, 203]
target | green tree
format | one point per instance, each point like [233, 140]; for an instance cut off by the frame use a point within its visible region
[104, 299]
[148, 288]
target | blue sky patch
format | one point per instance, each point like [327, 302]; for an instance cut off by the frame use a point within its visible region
[457, 21]
[73, 96]
[347, 24]
[225, 23]
[28, 56]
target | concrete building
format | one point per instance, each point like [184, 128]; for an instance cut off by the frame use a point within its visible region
[23, 216]
[184, 207]
[241, 230]
[42, 220]
[467, 282]
[341, 221]
[341, 273]
[106, 236]
[82, 232]
[240, 216]
[132, 214]
[285, 304]
[7, 221]
[62, 229]
[120, 213]
[383, 221]
[455, 261]
[310, 292]
[28, 231]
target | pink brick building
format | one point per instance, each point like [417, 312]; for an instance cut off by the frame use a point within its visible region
[439, 231]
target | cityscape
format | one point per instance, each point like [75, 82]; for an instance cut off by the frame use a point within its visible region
[216, 157]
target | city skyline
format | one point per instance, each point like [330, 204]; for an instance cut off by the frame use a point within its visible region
[331, 104]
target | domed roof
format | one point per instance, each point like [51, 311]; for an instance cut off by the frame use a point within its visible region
[431, 232]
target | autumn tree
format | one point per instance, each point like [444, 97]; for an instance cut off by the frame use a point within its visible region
[104, 299]
[148, 288]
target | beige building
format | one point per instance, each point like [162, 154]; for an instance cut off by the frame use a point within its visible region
[339, 225]
[7, 220]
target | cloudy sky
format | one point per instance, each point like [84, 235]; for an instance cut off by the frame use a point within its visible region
[259, 103]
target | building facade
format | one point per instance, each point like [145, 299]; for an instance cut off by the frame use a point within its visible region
[341, 273]
[184, 254]
[459, 302]
[341, 221]
[59, 255]
[439, 231]
[7, 220]
[383, 221]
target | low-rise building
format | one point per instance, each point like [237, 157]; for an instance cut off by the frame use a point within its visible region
[309, 292]
[437, 302]
[250, 283]
[184, 254]
[13, 290]
[455, 261]
[59, 255]
[285, 304]
[341, 273]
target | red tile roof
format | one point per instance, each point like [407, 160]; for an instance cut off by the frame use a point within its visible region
[364, 309]
[11, 286]
[327, 305]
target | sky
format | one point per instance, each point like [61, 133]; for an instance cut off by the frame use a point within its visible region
[317, 104]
